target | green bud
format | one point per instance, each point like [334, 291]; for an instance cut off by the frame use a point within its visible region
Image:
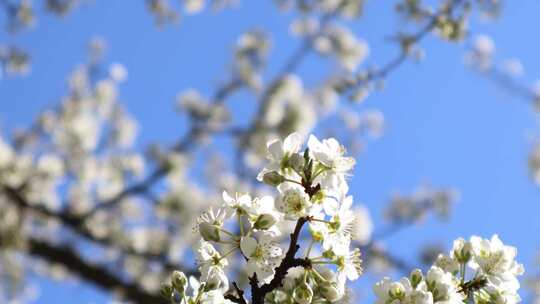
[465, 254]
[329, 291]
[213, 283]
[273, 178]
[396, 291]
[209, 232]
[303, 294]
[416, 277]
[179, 281]
[462, 251]
[265, 221]
[166, 291]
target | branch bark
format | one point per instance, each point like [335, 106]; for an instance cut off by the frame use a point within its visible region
[239, 298]
[259, 292]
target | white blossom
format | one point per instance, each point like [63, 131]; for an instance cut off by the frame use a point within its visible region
[443, 286]
[496, 261]
[263, 256]
[293, 201]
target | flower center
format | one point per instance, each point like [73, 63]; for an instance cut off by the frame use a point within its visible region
[258, 253]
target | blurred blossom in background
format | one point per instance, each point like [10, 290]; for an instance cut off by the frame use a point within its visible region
[120, 123]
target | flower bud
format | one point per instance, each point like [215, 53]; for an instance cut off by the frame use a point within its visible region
[296, 161]
[217, 280]
[396, 291]
[273, 178]
[416, 277]
[303, 294]
[329, 291]
[265, 221]
[462, 251]
[447, 264]
[179, 281]
[166, 291]
[209, 232]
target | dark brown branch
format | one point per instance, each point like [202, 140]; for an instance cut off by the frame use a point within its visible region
[259, 292]
[239, 298]
[473, 285]
[92, 273]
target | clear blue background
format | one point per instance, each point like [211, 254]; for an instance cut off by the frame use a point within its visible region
[446, 125]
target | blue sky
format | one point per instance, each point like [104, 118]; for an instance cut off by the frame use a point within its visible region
[446, 126]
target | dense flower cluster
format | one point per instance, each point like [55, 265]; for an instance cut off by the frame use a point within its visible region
[312, 188]
[493, 279]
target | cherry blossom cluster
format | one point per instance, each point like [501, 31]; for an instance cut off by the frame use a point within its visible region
[476, 271]
[311, 189]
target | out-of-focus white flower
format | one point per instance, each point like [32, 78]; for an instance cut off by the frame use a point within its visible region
[289, 90]
[447, 263]
[484, 45]
[51, 164]
[6, 153]
[373, 122]
[118, 72]
[106, 92]
[193, 6]
[513, 67]
[362, 228]
[481, 54]
[304, 26]
[125, 131]
[344, 45]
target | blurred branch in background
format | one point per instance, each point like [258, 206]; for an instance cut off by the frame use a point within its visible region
[76, 192]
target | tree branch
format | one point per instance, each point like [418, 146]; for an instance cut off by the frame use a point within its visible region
[240, 295]
[258, 293]
[187, 143]
[74, 224]
[396, 62]
[95, 274]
